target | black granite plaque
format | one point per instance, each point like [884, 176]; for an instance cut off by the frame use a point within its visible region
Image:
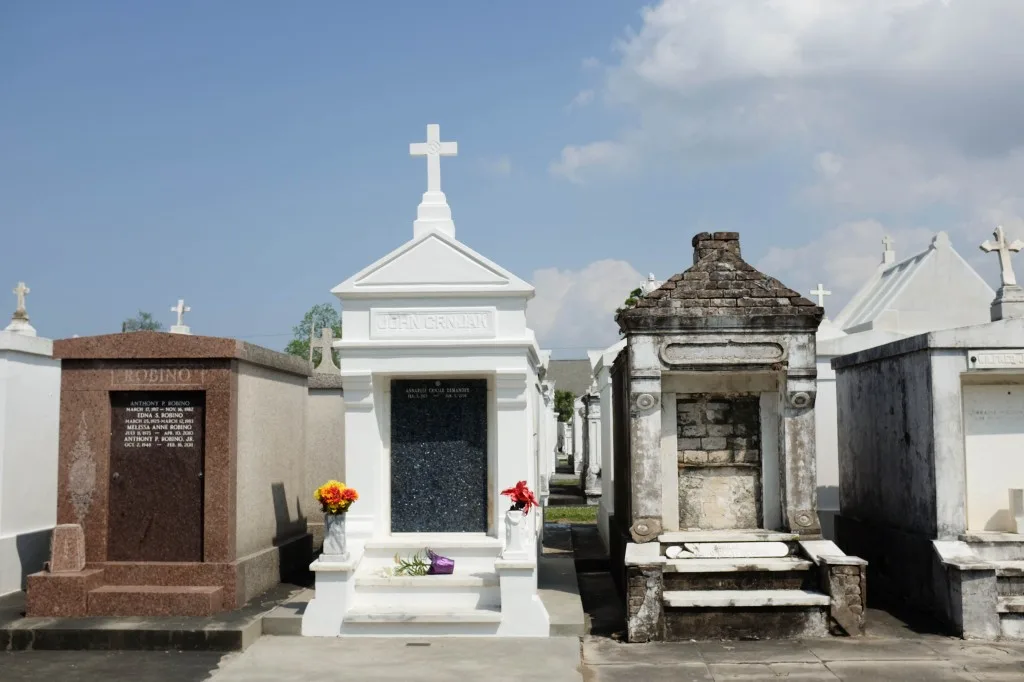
[155, 509]
[439, 456]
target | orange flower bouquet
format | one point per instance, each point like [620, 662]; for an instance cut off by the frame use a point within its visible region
[335, 497]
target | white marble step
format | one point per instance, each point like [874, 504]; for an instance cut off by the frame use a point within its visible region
[736, 565]
[1009, 569]
[359, 614]
[460, 590]
[743, 598]
[1008, 604]
[727, 550]
[743, 535]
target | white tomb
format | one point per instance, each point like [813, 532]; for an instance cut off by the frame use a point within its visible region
[29, 414]
[932, 290]
[434, 323]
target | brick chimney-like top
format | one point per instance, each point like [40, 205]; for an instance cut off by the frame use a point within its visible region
[707, 243]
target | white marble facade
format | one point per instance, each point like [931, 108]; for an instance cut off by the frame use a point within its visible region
[29, 416]
[435, 309]
[928, 291]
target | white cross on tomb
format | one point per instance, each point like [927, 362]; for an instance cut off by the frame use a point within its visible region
[434, 149]
[20, 292]
[821, 293]
[181, 309]
[1004, 249]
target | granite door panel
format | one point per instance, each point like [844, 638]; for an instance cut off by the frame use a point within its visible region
[155, 510]
[439, 456]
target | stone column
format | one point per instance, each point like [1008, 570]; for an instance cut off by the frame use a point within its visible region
[512, 441]
[579, 418]
[645, 438]
[364, 466]
[796, 453]
[592, 466]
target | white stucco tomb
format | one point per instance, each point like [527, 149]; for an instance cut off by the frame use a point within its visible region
[29, 413]
[928, 291]
[931, 437]
[443, 407]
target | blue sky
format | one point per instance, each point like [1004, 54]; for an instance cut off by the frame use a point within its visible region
[248, 156]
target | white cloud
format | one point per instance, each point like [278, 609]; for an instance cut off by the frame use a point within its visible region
[921, 95]
[500, 166]
[606, 154]
[582, 99]
[591, 63]
[574, 310]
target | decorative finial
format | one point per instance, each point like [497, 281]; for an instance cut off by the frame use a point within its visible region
[433, 212]
[19, 320]
[821, 293]
[1004, 249]
[888, 255]
[181, 309]
[940, 239]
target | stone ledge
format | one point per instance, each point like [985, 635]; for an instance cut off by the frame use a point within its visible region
[321, 566]
[734, 565]
[752, 535]
[744, 598]
[400, 615]
[325, 381]
[514, 564]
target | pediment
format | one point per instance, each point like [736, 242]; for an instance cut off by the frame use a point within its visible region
[432, 264]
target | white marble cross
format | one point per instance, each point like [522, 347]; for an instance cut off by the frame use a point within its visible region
[181, 309]
[434, 149]
[821, 293]
[20, 292]
[887, 242]
[1004, 249]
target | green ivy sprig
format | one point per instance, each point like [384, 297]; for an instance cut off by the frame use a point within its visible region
[413, 566]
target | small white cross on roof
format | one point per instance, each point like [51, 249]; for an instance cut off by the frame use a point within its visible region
[181, 309]
[20, 292]
[434, 149]
[821, 293]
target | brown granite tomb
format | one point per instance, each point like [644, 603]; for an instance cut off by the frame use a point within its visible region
[149, 467]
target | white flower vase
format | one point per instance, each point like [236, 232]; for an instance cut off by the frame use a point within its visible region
[515, 528]
[334, 538]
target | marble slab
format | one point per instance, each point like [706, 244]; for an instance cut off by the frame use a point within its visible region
[728, 550]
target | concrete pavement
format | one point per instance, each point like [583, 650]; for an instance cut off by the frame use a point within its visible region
[295, 659]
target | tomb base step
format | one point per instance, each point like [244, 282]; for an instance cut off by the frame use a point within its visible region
[203, 574]
[995, 546]
[745, 614]
[153, 600]
[739, 535]
[469, 547]
[403, 621]
[460, 590]
[697, 575]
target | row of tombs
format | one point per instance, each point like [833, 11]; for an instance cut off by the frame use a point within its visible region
[178, 469]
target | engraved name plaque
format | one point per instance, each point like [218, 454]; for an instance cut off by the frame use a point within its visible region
[724, 353]
[995, 359]
[430, 323]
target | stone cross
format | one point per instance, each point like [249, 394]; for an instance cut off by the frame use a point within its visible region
[1004, 249]
[20, 291]
[434, 149]
[821, 293]
[325, 344]
[181, 309]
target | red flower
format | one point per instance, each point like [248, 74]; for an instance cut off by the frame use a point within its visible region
[349, 495]
[522, 497]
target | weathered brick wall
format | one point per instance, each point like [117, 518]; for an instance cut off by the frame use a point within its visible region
[846, 583]
[719, 455]
[645, 611]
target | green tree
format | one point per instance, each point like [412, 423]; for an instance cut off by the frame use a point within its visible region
[319, 316]
[143, 322]
[563, 404]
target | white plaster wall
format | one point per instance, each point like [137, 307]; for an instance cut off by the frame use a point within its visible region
[273, 501]
[826, 434]
[29, 418]
[994, 434]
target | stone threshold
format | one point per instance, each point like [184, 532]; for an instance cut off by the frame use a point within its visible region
[423, 615]
[751, 535]
[735, 565]
[991, 536]
[226, 631]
